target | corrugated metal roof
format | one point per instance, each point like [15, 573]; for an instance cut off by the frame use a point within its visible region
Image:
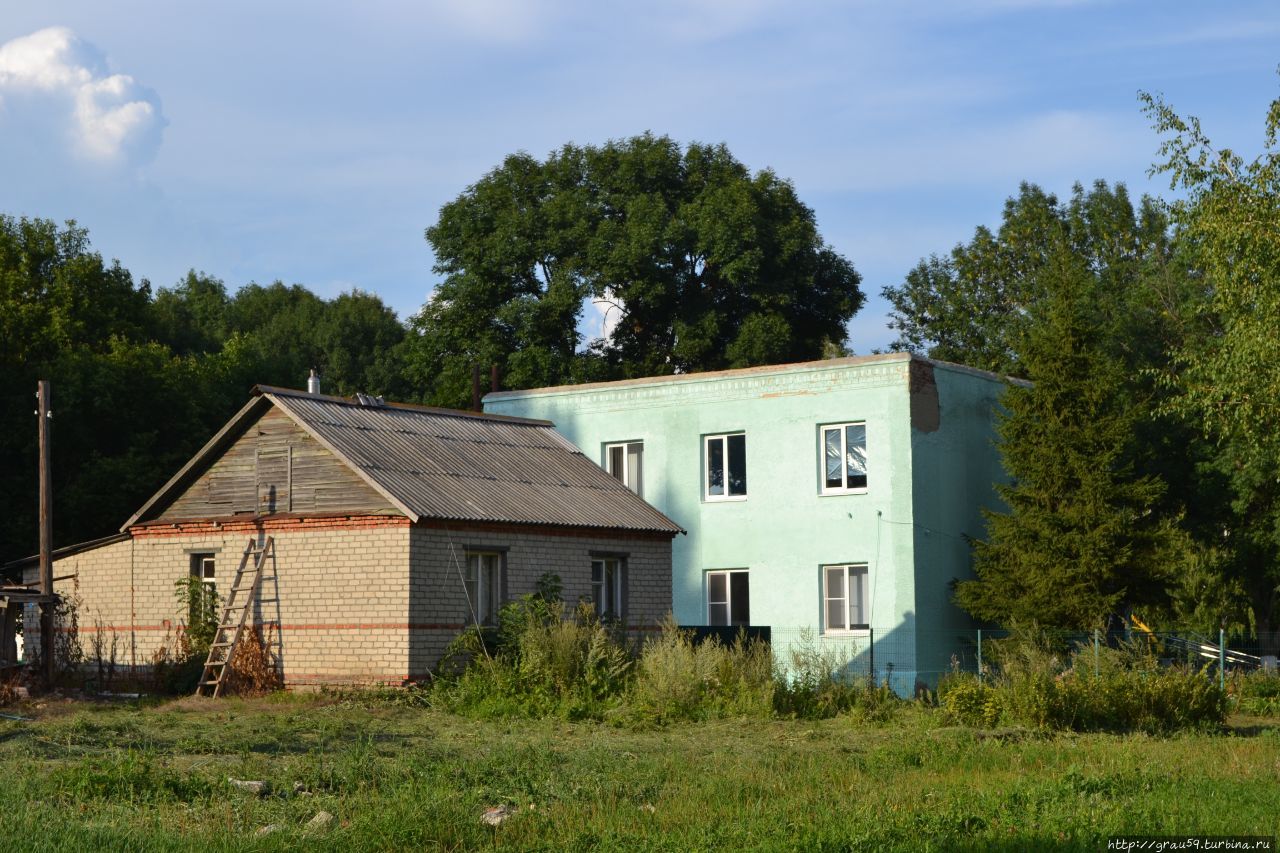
[466, 466]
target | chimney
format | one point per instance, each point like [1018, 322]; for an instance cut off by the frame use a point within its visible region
[313, 382]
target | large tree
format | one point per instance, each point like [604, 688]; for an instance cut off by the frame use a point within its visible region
[1080, 539]
[1229, 379]
[139, 385]
[699, 263]
[972, 305]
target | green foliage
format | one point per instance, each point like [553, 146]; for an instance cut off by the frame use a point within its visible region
[702, 264]
[1122, 689]
[140, 384]
[1080, 539]
[814, 684]
[1256, 693]
[199, 601]
[539, 662]
[974, 305]
[679, 679]
[1229, 381]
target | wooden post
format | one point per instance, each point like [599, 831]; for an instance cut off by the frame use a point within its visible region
[493, 377]
[46, 536]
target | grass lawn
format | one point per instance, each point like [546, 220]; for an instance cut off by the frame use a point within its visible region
[92, 776]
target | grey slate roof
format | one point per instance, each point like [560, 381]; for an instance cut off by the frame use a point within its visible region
[458, 466]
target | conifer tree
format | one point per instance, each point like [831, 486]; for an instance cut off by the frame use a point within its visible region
[1080, 540]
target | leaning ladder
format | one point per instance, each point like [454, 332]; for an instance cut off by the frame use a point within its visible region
[235, 612]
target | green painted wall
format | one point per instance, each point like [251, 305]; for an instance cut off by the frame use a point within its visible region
[931, 465]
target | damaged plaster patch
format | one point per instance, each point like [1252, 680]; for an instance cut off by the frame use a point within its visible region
[926, 413]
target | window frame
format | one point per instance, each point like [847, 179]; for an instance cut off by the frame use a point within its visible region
[864, 605]
[723, 439]
[602, 587]
[198, 560]
[478, 610]
[728, 591]
[625, 477]
[845, 489]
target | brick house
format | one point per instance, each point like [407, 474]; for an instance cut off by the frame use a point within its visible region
[393, 527]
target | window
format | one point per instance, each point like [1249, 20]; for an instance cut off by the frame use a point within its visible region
[201, 605]
[484, 586]
[728, 598]
[726, 460]
[623, 461]
[608, 587]
[844, 458]
[844, 597]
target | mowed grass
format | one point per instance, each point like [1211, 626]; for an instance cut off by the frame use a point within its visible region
[154, 776]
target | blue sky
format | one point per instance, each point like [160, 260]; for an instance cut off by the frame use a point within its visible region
[314, 142]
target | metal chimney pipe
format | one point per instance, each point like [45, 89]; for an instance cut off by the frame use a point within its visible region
[313, 382]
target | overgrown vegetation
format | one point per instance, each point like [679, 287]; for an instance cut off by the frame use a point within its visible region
[543, 660]
[1036, 684]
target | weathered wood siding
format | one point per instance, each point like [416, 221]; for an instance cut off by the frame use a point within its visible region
[275, 467]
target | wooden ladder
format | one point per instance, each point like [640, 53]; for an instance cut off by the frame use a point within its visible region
[235, 612]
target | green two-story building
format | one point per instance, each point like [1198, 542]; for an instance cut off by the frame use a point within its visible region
[833, 499]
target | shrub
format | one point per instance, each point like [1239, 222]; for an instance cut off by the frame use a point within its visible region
[538, 661]
[816, 684]
[1256, 693]
[1121, 689]
[969, 702]
[678, 679]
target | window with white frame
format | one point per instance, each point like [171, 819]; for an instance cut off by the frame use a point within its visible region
[484, 586]
[623, 460]
[201, 604]
[725, 458]
[728, 597]
[608, 587]
[844, 593]
[844, 458]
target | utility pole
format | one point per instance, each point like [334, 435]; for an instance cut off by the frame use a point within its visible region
[46, 536]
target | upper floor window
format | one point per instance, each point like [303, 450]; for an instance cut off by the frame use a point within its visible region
[484, 586]
[623, 460]
[844, 597]
[607, 586]
[726, 467]
[844, 457]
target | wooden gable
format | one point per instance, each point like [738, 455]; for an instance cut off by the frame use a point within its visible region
[276, 466]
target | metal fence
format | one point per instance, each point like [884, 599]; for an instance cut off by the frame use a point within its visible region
[911, 658]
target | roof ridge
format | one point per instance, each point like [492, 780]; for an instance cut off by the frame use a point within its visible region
[277, 391]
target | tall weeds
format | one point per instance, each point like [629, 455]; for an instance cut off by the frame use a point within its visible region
[1038, 684]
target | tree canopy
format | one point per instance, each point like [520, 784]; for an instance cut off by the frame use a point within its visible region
[971, 306]
[1228, 380]
[1079, 540]
[140, 381]
[699, 263]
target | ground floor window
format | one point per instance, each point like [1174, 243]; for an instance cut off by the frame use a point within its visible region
[728, 597]
[484, 586]
[202, 599]
[844, 596]
[608, 583]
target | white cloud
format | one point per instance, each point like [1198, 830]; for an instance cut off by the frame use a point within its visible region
[58, 96]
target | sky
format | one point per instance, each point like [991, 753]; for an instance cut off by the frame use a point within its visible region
[315, 142]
